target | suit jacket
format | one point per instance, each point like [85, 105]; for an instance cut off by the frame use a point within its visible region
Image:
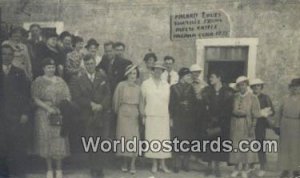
[84, 91]
[16, 95]
[118, 70]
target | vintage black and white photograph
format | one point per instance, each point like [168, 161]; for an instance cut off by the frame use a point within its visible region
[150, 89]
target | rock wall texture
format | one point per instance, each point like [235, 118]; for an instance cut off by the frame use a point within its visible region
[145, 24]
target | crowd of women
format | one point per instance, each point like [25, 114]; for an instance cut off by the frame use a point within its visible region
[71, 91]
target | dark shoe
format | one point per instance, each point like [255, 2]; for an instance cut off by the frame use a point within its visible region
[284, 174]
[218, 173]
[176, 169]
[296, 174]
[208, 172]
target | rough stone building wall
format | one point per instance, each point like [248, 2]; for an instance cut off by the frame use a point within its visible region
[145, 24]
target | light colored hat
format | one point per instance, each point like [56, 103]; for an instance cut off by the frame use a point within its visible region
[232, 85]
[241, 79]
[129, 69]
[256, 81]
[195, 67]
[159, 64]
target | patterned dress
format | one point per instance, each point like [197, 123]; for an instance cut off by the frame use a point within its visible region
[48, 142]
[126, 105]
[74, 64]
[246, 110]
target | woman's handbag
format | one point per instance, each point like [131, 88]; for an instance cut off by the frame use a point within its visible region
[212, 132]
[55, 119]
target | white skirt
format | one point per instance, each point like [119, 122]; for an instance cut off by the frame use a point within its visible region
[157, 129]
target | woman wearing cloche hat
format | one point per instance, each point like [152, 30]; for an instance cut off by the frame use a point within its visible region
[262, 123]
[126, 105]
[246, 110]
[182, 102]
[289, 125]
[155, 111]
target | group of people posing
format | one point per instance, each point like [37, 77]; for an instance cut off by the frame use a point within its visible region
[65, 90]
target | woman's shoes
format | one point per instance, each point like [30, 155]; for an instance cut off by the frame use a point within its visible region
[154, 169]
[59, 174]
[49, 174]
[132, 171]
[124, 169]
[261, 173]
[285, 174]
[244, 174]
[164, 169]
[234, 174]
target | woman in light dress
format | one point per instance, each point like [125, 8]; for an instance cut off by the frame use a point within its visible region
[126, 105]
[155, 102]
[48, 91]
[246, 110]
[289, 126]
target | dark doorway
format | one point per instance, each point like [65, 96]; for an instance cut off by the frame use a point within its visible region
[230, 60]
[230, 69]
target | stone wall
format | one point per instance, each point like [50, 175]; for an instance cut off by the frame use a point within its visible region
[145, 24]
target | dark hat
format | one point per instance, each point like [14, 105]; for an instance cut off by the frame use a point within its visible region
[91, 42]
[295, 82]
[183, 71]
[48, 61]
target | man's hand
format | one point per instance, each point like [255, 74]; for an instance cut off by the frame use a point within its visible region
[24, 119]
[96, 107]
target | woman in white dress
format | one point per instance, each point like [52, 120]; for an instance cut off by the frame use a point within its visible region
[155, 102]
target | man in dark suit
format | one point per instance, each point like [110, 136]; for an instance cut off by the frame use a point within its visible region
[91, 93]
[114, 65]
[15, 111]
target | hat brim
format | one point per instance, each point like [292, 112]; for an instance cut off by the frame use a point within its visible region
[253, 84]
[130, 70]
[159, 67]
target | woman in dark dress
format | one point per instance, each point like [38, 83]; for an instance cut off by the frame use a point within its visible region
[182, 100]
[218, 103]
[50, 50]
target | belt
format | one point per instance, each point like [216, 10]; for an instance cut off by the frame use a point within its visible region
[239, 116]
[291, 117]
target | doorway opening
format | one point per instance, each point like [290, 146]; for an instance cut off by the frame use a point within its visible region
[230, 60]
[232, 56]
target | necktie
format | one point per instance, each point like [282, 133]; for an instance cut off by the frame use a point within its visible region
[169, 78]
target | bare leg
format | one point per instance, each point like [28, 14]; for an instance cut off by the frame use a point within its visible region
[49, 168]
[59, 173]
[124, 165]
[154, 165]
[132, 165]
[163, 166]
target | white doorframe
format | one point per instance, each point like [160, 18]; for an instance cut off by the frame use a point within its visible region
[59, 25]
[250, 42]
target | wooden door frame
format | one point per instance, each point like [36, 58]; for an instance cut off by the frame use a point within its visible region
[223, 42]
